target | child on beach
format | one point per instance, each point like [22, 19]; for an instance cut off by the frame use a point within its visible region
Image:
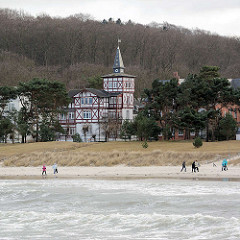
[44, 169]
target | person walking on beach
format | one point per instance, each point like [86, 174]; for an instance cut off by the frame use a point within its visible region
[44, 170]
[224, 164]
[184, 166]
[55, 168]
[197, 166]
[193, 166]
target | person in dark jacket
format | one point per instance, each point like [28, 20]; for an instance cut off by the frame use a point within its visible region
[184, 166]
[193, 166]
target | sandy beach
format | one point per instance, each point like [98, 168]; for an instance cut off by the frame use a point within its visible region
[207, 171]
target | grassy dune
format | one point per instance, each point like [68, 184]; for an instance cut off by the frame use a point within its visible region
[114, 153]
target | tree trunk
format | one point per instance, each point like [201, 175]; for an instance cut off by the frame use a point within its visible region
[207, 132]
[37, 127]
[196, 133]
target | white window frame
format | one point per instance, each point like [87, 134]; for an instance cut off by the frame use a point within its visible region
[71, 115]
[71, 131]
[87, 115]
[180, 132]
[63, 116]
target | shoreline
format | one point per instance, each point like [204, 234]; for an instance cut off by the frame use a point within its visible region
[207, 172]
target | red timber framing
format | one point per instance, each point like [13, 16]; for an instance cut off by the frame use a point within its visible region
[128, 101]
[92, 111]
[118, 84]
[115, 102]
[123, 84]
[68, 122]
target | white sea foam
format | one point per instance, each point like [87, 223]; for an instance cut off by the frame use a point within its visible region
[134, 209]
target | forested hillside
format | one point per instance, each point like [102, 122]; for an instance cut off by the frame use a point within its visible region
[75, 48]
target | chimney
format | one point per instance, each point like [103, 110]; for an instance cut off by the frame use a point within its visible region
[175, 75]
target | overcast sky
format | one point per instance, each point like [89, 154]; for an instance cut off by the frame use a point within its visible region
[218, 16]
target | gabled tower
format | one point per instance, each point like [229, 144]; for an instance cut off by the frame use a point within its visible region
[122, 84]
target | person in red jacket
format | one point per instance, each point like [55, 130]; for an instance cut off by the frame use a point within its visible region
[44, 169]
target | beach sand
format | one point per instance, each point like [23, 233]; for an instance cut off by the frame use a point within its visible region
[206, 171]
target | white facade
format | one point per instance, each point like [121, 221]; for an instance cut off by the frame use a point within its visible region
[13, 105]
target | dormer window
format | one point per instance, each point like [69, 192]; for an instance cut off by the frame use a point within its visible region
[87, 101]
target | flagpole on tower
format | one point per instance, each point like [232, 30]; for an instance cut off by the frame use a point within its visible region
[119, 41]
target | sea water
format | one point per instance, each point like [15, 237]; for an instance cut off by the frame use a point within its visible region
[119, 209]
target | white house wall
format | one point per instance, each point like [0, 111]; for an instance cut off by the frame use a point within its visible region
[93, 129]
[13, 104]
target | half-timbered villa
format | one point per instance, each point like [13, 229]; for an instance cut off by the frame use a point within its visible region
[98, 114]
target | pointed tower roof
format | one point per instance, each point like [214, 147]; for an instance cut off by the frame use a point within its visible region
[118, 62]
[118, 66]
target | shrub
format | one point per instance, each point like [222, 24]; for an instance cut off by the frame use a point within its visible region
[76, 138]
[197, 142]
[145, 144]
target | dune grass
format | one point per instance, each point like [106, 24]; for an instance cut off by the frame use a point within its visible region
[114, 153]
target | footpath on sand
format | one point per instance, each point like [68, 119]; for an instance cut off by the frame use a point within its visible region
[206, 171]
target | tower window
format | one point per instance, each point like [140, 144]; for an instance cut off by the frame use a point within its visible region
[115, 84]
[128, 100]
[128, 85]
[127, 114]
